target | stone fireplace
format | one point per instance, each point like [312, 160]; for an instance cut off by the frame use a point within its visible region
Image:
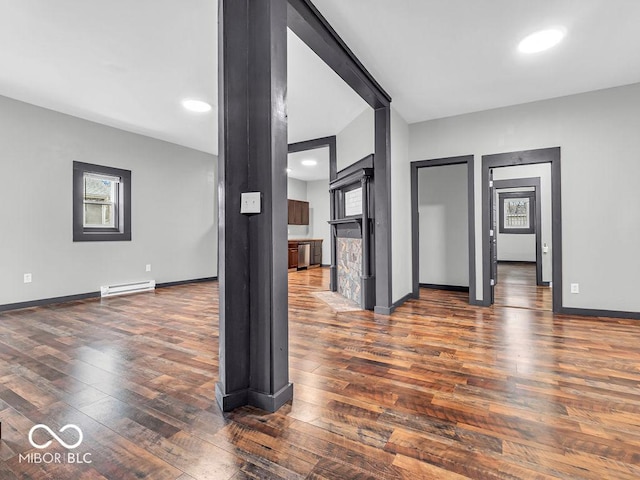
[352, 238]
[349, 253]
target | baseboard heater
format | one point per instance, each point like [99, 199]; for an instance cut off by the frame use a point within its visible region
[124, 288]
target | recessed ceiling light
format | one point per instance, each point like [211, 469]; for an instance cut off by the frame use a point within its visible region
[542, 40]
[309, 163]
[196, 106]
[289, 170]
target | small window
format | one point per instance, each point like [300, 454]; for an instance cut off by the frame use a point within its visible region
[516, 212]
[101, 203]
[353, 202]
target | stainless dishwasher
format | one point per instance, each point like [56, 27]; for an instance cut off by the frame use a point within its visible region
[304, 251]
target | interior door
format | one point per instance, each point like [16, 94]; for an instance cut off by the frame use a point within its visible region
[493, 235]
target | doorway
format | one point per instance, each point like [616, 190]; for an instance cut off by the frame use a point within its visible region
[523, 234]
[424, 165]
[491, 164]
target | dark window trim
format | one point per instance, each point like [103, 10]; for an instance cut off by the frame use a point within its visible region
[531, 195]
[342, 202]
[123, 208]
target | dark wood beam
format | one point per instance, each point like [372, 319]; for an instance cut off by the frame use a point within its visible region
[312, 28]
[253, 249]
[382, 209]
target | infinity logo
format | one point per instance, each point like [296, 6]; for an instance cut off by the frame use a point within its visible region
[51, 432]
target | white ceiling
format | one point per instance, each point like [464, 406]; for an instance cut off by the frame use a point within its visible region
[320, 171]
[128, 64]
[440, 58]
[123, 63]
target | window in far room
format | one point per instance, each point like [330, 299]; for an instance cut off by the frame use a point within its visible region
[516, 212]
[101, 203]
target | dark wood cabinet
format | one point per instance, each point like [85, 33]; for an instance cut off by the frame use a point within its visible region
[315, 257]
[293, 256]
[298, 212]
[315, 252]
[304, 213]
[291, 209]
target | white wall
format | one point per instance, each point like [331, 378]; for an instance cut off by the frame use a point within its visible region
[514, 247]
[443, 225]
[296, 189]
[173, 210]
[356, 140]
[319, 215]
[401, 258]
[600, 150]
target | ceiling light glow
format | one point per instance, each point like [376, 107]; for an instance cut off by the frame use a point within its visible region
[196, 105]
[309, 163]
[289, 170]
[542, 40]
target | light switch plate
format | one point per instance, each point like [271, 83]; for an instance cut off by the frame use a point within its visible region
[250, 202]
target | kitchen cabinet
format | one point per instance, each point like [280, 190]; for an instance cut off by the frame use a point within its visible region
[291, 211]
[297, 212]
[293, 255]
[315, 254]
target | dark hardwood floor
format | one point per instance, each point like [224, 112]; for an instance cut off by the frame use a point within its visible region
[437, 390]
[517, 287]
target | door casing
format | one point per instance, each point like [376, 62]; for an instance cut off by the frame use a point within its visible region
[530, 182]
[526, 157]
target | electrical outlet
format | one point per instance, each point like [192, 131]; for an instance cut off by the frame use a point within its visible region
[147, 268]
[575, 288]
[27, 278]
[250, 202]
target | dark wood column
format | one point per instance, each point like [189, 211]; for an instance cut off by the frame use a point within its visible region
[252, 43]
[333, 269]
[382, 215]
[368, 298]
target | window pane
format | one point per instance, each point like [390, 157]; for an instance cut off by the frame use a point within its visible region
[516, 213]
[353, 202]
[99, 199]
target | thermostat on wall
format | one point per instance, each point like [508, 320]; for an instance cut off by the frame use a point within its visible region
[250, 202]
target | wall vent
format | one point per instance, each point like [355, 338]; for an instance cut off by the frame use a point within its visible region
[122, 289]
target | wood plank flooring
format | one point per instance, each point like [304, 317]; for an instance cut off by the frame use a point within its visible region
[437, 390]
[517, 287]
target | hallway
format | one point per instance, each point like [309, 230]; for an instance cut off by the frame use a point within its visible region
[517, 287]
